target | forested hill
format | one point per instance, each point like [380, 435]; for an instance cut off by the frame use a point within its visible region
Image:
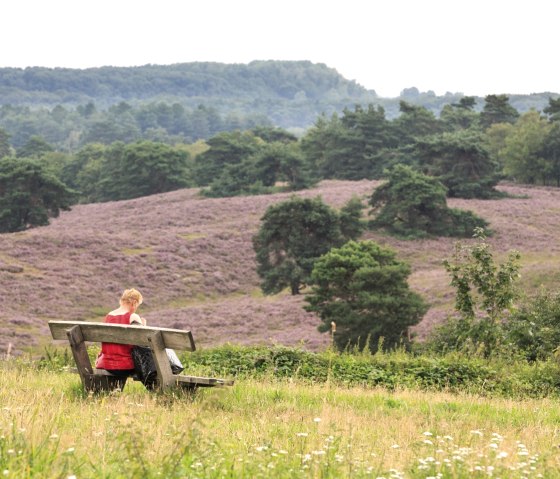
[288, 94]
[258, 80]
[268, 79]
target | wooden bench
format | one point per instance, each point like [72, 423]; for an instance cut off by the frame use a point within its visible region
[157, 339]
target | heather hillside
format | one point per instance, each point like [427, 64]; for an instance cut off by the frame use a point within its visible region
[192, 258]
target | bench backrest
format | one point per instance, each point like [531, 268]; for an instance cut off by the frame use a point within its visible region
[124, 334]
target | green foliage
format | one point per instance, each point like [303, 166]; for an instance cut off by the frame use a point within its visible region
[461, 162]
[497, 109]
[85, 170]
[522, 153]
[415, 122]
[485, 294]
[224, 149]
[5, 148]
[260, 172]
[292, 235]
[534, 328]
[35, 147]
[553, 109]
[351, 147]
[413, 205]
[456, 117]
[147, 168]
[29, 194]
[120, 171]
[550, 153]
[351, 223]
[450, 372]
[363, 288]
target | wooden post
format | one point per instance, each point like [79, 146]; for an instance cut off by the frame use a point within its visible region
[79, 351]
[165, 375]
[89, 380]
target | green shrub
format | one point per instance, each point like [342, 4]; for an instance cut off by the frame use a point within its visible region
[451, 372]
[413, 205]
[534, 328]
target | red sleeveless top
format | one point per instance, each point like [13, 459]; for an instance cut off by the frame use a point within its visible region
[112, 355]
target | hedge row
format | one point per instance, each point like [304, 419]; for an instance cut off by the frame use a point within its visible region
[456, 373]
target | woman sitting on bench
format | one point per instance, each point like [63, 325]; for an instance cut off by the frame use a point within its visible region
[117, 358]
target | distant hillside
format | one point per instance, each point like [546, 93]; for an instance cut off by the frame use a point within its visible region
[289, 94]
[193, 260]
[259, 79]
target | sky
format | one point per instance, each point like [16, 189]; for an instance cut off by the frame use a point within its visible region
[475, 47]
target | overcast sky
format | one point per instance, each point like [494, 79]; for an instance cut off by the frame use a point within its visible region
[475, 47]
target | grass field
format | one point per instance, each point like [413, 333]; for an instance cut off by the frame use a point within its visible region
[268, 428]
[193, 260]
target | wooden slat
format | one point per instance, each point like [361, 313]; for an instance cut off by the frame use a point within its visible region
[124, 334]
[201, 381]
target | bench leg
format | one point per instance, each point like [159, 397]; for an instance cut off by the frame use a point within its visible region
[90, 382]
[165, 375]
[79, 351]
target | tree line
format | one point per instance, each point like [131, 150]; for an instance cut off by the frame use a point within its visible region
[187, 102]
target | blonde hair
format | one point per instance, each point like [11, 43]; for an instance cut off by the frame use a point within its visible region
[131, 296]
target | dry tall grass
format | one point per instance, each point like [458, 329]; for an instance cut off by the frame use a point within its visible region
[268, 429]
